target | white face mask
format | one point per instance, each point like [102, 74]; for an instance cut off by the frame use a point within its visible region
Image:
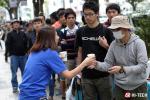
[118, 35]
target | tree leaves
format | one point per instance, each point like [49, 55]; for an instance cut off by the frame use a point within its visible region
[134, 3]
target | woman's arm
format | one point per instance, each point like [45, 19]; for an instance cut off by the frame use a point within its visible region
[69, 74]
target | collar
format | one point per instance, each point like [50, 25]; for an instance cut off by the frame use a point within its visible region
[75, 28]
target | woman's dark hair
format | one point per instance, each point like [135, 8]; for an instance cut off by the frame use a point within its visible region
[69, 11]
[113, 6]
[91, 5]
[45, 39]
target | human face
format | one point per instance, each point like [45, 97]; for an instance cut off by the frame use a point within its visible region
[62, 19]
[8, 26]
[43, 19]
[37, 25]
[16, 25]
[90, 16]
[112, 13]
[56, 38]
[70, 20]
[119, 33]
[30, 27]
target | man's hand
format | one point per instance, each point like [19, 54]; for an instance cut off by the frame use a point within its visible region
[93, 65]
[114, 69]
[103, 42]
[63, 41]
[89, 61]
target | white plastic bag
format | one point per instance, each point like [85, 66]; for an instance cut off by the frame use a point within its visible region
[69, 95]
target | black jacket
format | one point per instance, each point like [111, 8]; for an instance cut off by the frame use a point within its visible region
[16, 43]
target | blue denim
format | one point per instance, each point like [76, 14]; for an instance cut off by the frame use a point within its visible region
[113, 86]
[148, 89]
[52, 84]
[15, 62]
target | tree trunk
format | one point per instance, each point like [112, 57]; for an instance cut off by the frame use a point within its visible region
[134, 3]
[15, 12]
[134, 7]
[41, 6]
[38, 7]
[10, 12]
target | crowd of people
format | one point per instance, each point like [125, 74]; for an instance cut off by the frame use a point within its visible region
[118, 67]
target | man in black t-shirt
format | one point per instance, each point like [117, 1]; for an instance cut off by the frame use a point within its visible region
[95, 83]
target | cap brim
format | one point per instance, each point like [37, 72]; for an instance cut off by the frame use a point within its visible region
[115, 27]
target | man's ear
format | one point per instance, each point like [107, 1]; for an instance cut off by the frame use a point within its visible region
[97, 14]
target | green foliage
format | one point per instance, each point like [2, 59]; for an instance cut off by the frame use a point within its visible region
[3, 3]
[134, 3]
[142, 25]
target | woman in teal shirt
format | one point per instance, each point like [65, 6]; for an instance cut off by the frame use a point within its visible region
[44, 59]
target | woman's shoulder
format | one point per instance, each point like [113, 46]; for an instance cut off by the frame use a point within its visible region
[45, 53]
[50, 52]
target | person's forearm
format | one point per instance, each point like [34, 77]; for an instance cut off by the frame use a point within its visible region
[77, 70]
[102, 66]
[135, 68]
[74, 72]
[79, 60]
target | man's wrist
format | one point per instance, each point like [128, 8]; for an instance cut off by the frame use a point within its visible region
[121, 70]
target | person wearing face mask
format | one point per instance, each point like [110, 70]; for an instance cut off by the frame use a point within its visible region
[126, 59]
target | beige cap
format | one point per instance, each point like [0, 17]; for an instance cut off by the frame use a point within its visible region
[120, 22]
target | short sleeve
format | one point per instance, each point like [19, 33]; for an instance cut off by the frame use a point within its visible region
[55, 62]
[78, 39]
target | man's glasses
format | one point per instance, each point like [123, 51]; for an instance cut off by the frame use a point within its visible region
[89, 15]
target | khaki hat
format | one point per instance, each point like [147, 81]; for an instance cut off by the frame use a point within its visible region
[120, 22]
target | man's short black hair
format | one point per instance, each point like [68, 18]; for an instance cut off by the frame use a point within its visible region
[113, 6]
[60, 12]
[28, 23]
[91, 5]
[69, 11]
[48, 21]
[37, 19]
[54, 15]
